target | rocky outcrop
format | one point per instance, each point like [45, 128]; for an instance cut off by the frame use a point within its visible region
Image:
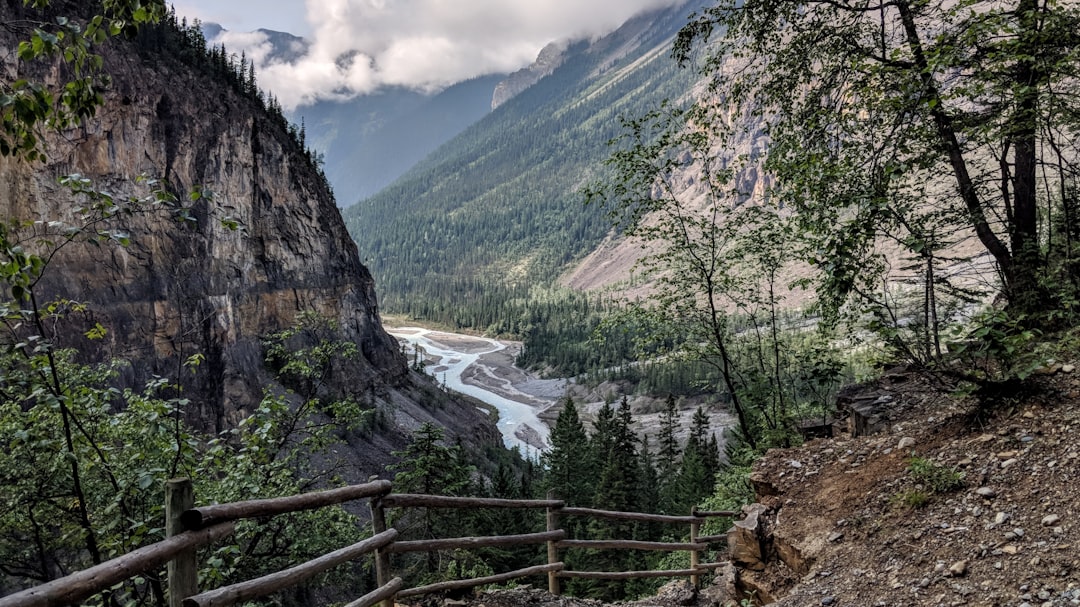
[550, 57]
[187, 287]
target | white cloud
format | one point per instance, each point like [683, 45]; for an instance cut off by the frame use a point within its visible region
[358, 46]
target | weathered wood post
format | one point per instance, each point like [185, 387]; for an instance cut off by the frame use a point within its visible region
[382, 557]
[182, 571]
[695, 556]
[552, 551]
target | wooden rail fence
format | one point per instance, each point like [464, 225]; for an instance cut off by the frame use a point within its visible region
[189, 528]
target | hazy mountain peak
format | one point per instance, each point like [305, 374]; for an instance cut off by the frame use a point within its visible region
[549, 58]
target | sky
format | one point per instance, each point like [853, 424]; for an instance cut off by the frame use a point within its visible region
[359, 46]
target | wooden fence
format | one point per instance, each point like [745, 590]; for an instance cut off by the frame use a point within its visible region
[189, 528]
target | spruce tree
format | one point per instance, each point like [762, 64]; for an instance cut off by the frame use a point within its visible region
[668, 456]
[569, 462]
[430, 467]
[617, 489]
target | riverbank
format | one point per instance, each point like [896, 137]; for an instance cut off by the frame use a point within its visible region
[483, 368]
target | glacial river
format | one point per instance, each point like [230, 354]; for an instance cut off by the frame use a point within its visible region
[483, 369]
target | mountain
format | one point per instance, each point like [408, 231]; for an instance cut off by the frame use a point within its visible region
[499, 208]
[198, 286]
[371, 140]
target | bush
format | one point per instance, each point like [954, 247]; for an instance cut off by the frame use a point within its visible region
[936, 477]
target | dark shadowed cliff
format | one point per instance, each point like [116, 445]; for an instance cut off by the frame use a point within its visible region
[182, 287]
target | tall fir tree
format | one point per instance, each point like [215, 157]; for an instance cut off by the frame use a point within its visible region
[667, 459]
[570, 468]
[430, 467]
[618, 489]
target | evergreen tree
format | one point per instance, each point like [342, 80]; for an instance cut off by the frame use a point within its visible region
[569, 462]
[617, 489]
[668, 456]
[697, 472]
[428, 466]
[649, 492]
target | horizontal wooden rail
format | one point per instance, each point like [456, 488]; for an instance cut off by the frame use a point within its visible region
[411, 500]
[72, 589]
[269, 584]
[627, 575]
[627, 545]
[197, 518]
[714, 513]
[631, 516]
[491, 579]
[476, 542]
[386, 591]
[713, 565]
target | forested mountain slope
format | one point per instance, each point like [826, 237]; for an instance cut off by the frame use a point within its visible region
[499, 208]
[371, 140]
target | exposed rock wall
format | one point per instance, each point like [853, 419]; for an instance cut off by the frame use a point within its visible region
[182, 288]
[550, 58]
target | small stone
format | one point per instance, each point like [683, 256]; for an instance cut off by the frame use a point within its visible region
[1018, 532]
[1050, 519]
[828, 600]
[795, 463]
[958, 568]
[1000, 518]
[1068, 368]
[1008, 462]
[986, 492]
[1010, 549]
[835, 536]
[906, 443]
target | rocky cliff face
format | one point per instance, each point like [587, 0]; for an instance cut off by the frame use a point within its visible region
[182, 288]
[550, 57]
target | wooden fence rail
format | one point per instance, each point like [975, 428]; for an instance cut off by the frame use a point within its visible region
[274, 582]
[81, 585]
[191, 528]
[197, 518]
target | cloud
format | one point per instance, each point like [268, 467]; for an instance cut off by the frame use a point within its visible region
[358, 46]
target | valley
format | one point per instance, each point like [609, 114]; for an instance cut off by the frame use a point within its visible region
[484, 369]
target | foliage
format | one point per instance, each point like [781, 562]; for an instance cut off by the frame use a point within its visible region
[430, 467]
[911, 499]
[569, 466]
[915, 122]
[715, 261]
[28, 105]
[85, 463]
[935, 477]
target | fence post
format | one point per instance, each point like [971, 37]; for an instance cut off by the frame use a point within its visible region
[695, 556]
[552, 551]
[382, 557]
[183, 571]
